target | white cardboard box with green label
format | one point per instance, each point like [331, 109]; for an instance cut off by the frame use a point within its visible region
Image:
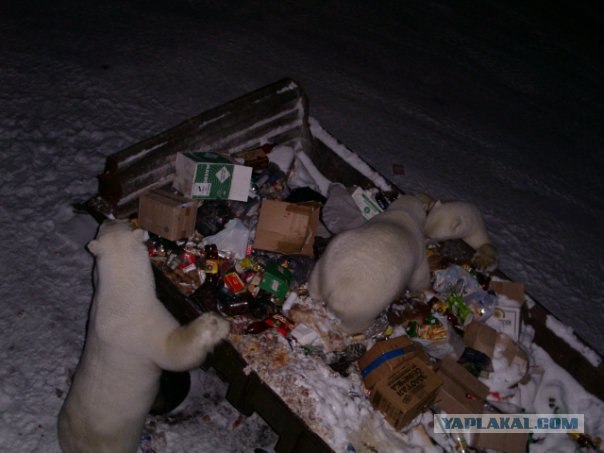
[205, 175]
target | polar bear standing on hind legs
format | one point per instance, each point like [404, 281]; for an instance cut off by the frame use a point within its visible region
[131, 338]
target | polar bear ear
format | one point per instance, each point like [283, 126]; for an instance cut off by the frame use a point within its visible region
[139, 235]
[94, 247]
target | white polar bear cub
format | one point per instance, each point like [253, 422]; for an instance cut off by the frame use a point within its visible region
[363, 270]
[131, 338]
[462, 220]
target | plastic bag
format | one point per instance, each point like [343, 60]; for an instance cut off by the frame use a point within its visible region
[340, 212]
[453, 279]
[234, 237]
[449, 343]
[456, 281]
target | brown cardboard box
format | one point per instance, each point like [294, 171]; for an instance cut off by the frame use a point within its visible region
[461, 392]
[483, 338]
[508, 315]
[255, 158]
[167, 214]
[406, 392]
[511, 290]
[287, 228]
[505, 442]
[383, 358]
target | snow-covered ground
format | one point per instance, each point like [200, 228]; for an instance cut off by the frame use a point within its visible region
[479, 101]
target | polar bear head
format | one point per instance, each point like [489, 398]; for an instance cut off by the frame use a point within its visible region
[117, 235]
[456, 220]
[120, 250]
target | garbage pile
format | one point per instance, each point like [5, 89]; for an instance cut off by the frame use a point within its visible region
[248, 256]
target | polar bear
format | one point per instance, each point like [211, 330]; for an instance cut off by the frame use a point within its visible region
[462, 220]
[131, 337]
[364, 269]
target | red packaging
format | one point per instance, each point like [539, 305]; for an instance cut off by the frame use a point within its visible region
[234, 282]
[280, 323]
[187, 262]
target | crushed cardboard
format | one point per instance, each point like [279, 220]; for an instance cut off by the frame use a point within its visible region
[483, 338]
[461, 392]
[510, 442]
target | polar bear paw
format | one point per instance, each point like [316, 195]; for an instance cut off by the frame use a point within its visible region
[485, 258]
[188, 346]
[215, 324]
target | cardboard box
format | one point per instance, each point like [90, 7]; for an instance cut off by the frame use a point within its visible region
[508, 320]
[483, 338]
[406, 392]
[461, 393]
[287, 227]
[255, 158]
[512, 290]
[203, 175]
[366, 203]
[167, 214]
[276, 280]
[505, 442]
[508, 316]
[379, 362]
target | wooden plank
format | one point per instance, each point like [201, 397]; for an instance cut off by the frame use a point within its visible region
[334, 168]
[246, 391]
[217, 122]
[248, 394]
[273, 112]
[591, 378]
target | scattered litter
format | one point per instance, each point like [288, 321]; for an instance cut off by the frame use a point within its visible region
[252, 266]
[261, 218]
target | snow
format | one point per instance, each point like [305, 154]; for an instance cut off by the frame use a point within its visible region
[482, 102]
[570, 398]
[566, 333]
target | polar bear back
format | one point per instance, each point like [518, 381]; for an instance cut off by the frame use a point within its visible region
[353, 258]
[363, 270]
